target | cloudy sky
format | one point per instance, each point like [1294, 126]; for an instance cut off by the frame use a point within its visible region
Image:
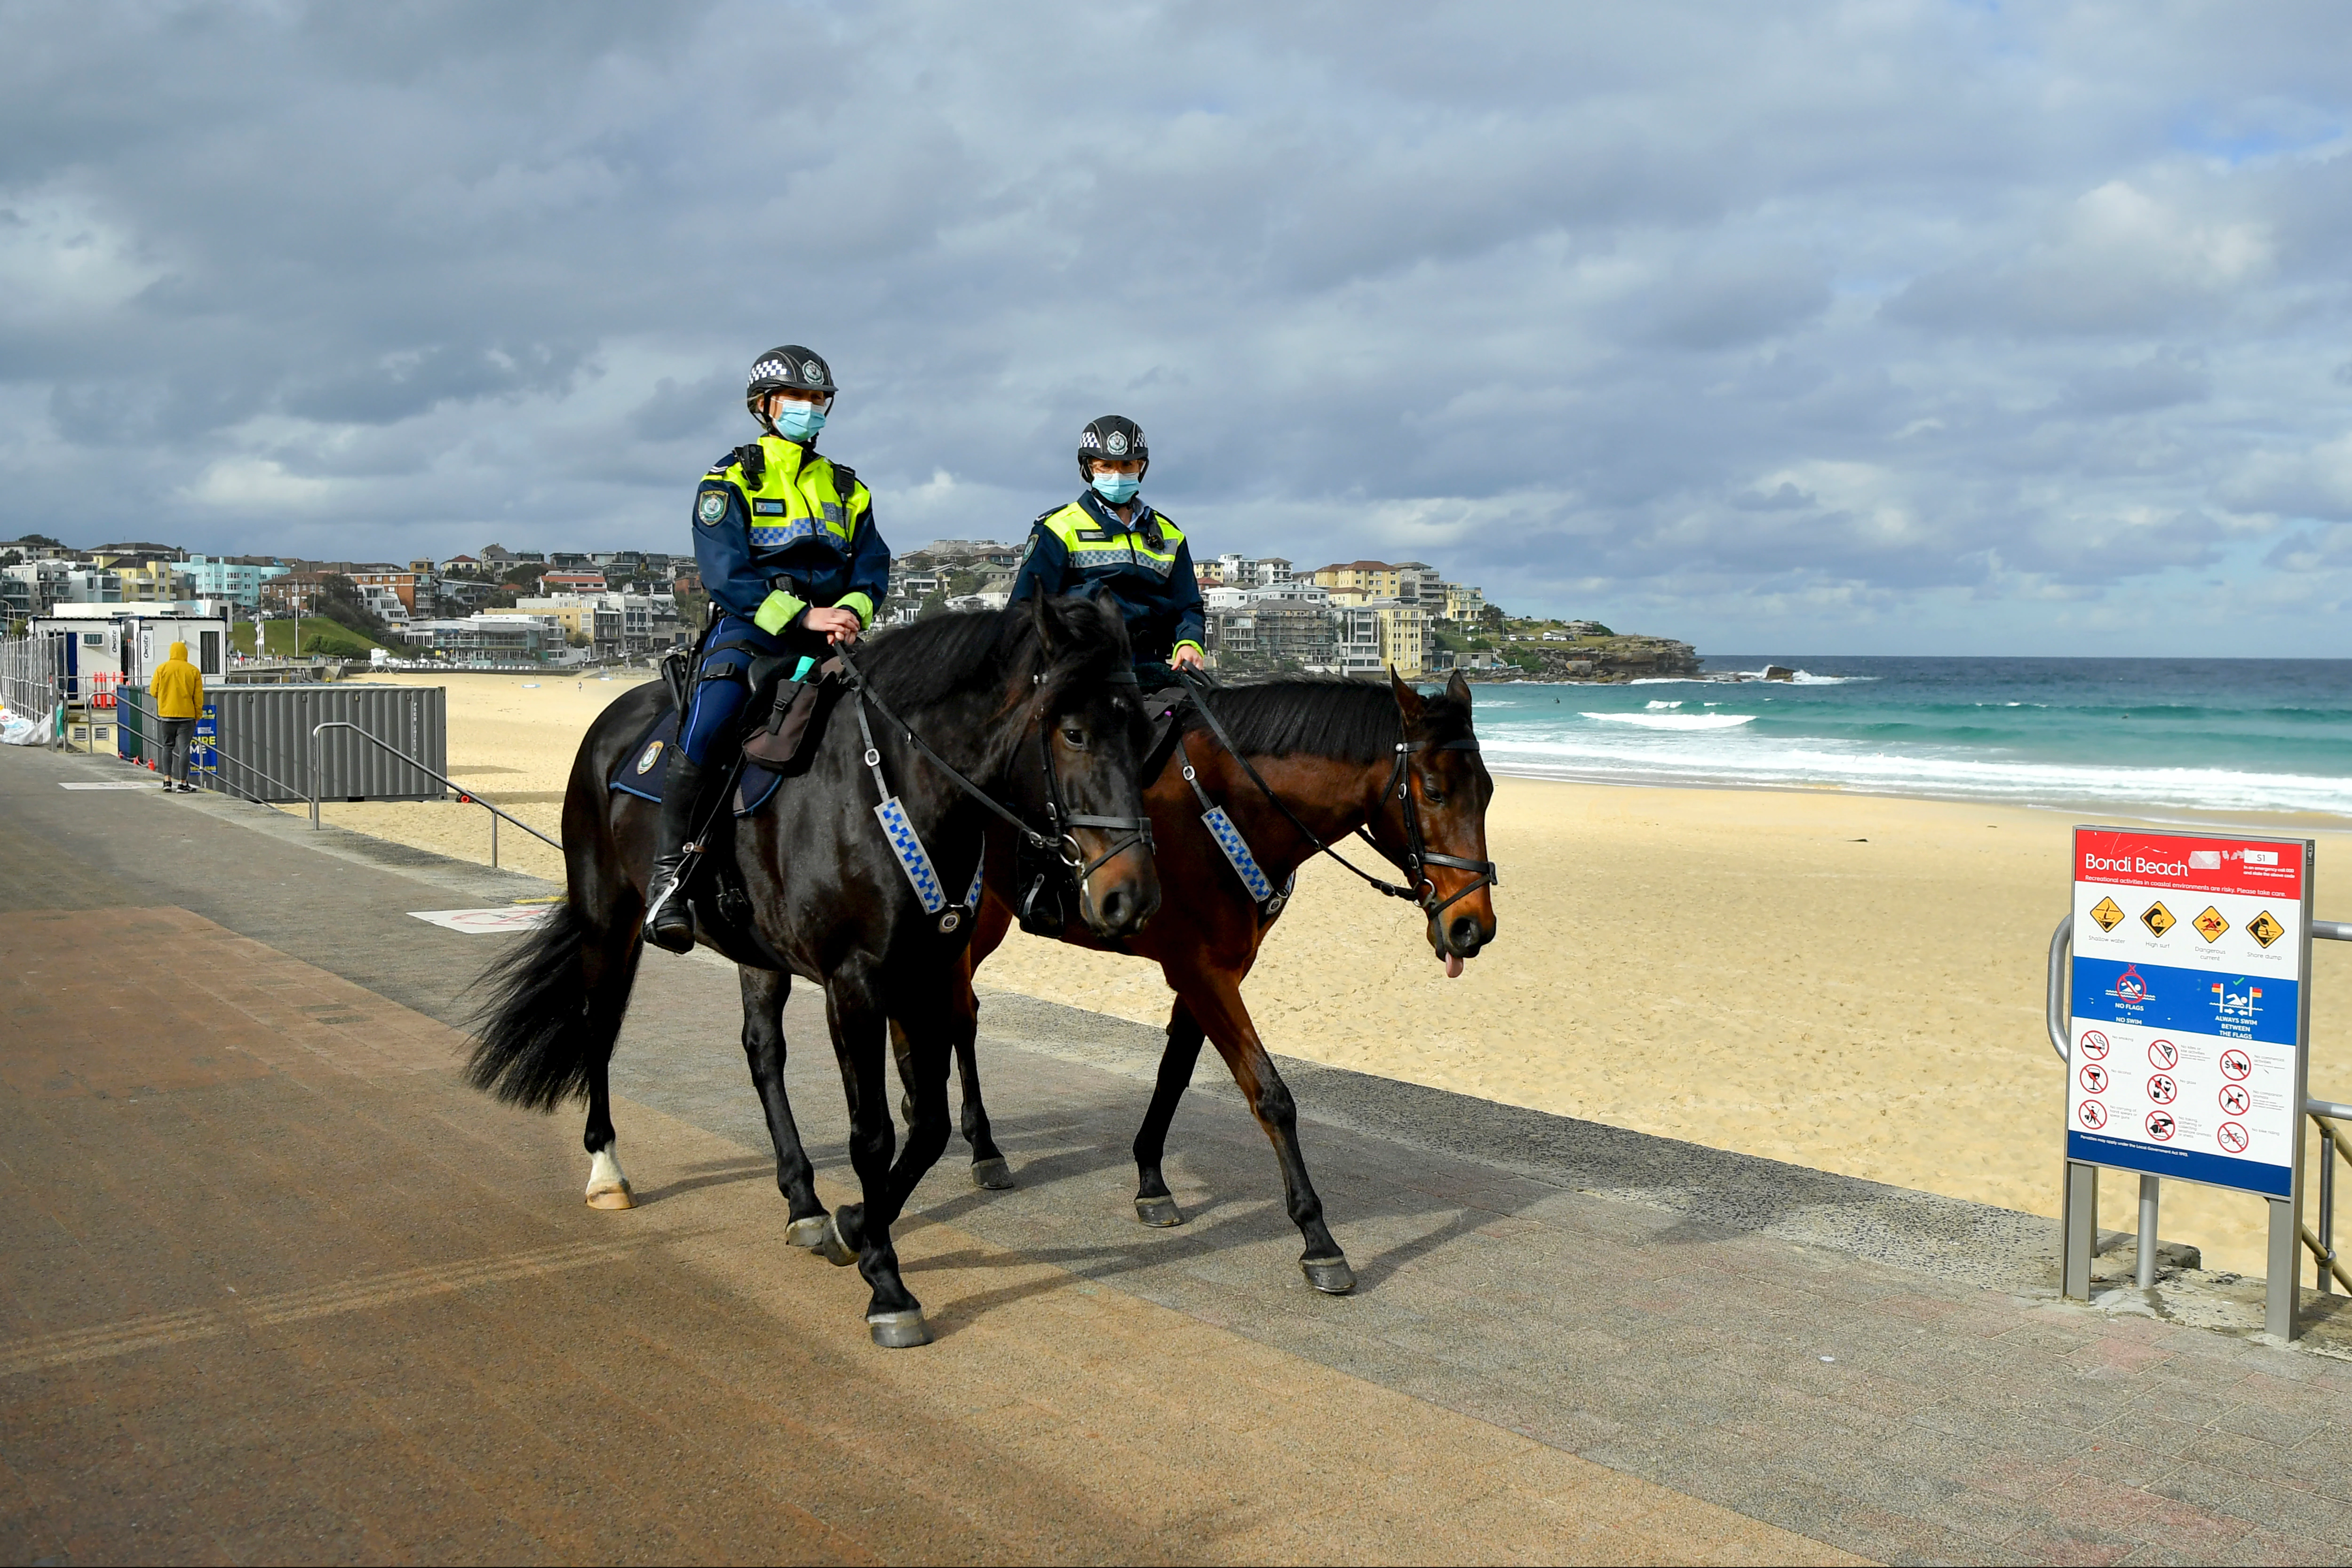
[1869, 328]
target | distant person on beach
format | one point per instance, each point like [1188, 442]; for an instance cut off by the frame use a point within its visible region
[179, 694]
[1109, 539]
[793, 564]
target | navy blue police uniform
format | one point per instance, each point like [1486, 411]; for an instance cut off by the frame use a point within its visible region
[778, 530]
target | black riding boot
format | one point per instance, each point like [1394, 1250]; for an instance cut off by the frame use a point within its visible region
[668, 922]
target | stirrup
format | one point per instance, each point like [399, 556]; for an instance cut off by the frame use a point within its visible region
[670, 922]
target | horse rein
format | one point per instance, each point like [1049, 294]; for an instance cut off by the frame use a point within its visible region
[1137, 828]
[1419, 855]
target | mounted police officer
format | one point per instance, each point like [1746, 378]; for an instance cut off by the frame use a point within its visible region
[793, 563]
[1109, 539]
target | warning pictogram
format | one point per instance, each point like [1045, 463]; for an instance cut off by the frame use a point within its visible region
[2092, 1045]
[2131, 987]
[2092, 1115]
[2108, 914]
[2160, 1126]
[2211, 925]
[2163, 1054]
[2232, 1137]
[2161, 1089]
[2158, 918]
[2235, 1100]
[2265, 930]
[2095, 1078]
[2237, 1064]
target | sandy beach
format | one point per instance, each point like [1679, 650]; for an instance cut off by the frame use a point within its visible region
[1850, 983]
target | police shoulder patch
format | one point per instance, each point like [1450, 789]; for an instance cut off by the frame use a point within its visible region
[710, 506]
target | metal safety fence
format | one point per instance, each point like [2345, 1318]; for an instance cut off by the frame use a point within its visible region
[2324, 1114]
[33, 676]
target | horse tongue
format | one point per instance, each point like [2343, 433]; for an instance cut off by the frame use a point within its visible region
[1452, 966]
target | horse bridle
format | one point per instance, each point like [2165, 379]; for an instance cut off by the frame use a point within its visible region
[1061, 842]
[1419, 856]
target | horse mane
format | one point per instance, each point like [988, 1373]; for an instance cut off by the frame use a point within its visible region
[943, 656]
[1324, 716]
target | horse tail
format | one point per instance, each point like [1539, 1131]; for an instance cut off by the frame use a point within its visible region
[553, 1012]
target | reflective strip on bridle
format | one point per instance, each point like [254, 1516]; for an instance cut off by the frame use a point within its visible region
[1419, 855]
[1138, 827]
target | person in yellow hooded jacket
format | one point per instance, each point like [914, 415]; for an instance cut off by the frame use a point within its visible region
[179, 694]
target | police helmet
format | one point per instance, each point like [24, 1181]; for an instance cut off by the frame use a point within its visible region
[1116, 437]
[789, 368]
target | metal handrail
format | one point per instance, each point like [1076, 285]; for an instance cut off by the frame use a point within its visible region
[2326, 1113]
[463, 795]
[2057, 1009]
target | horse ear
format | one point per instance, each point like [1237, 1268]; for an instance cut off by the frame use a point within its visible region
[1042, 617]
[1458, 689]
[1408, 701]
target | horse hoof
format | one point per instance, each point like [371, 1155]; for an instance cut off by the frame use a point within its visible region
[1330, 1275]
[1161, 1212]
[809, 1233]
[994, 1174]
[836, 1252]
[898, 1331]
[611, 1198]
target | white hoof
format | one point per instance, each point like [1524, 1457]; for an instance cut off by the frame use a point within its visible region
[608, 1186]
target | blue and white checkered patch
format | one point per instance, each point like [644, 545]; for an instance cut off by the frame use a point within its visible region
[912, 857]
[1229, 839]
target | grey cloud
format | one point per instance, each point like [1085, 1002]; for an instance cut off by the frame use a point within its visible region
[1823, 312]
[2163, 380]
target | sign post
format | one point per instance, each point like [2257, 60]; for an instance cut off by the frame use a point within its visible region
[2189, 1017]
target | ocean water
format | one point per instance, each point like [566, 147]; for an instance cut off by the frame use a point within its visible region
[2175, 735]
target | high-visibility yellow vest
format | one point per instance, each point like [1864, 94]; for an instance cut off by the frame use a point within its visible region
[798, 496]
[1151, 545]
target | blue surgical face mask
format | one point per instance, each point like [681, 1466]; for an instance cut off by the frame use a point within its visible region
[799, 421]
[1118, 489]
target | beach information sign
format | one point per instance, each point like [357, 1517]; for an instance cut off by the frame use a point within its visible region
[2187, 1032]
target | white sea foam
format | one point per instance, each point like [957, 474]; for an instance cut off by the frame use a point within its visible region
[1675, 720]
[1800, 677]
[1666, 707]
[1609, 752]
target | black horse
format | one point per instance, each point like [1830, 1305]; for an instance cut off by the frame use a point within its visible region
[1036, 704]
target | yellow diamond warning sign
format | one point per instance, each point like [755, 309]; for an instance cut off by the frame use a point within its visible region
[2108, 914]
[2265, 930]
[2158, 918]
[2211, 925]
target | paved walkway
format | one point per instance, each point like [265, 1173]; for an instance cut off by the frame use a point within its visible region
[277, 1287]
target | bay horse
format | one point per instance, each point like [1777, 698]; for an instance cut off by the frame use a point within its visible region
[1037, 703]
[1294, 764]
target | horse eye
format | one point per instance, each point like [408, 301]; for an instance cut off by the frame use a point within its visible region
[1075, 737]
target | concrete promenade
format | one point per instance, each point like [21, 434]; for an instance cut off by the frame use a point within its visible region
[279, 1288]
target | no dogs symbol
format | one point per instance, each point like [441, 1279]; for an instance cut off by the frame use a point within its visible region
[2095, 1078]
[2092, 1045]
[2163, 1054]
[2232, 1137]
[2235, 1100]
[2237, 1064]
[2162, 1090]
[2092, 1115]
[2160, 1126]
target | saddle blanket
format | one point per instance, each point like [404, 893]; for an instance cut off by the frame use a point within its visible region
[645, 766]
